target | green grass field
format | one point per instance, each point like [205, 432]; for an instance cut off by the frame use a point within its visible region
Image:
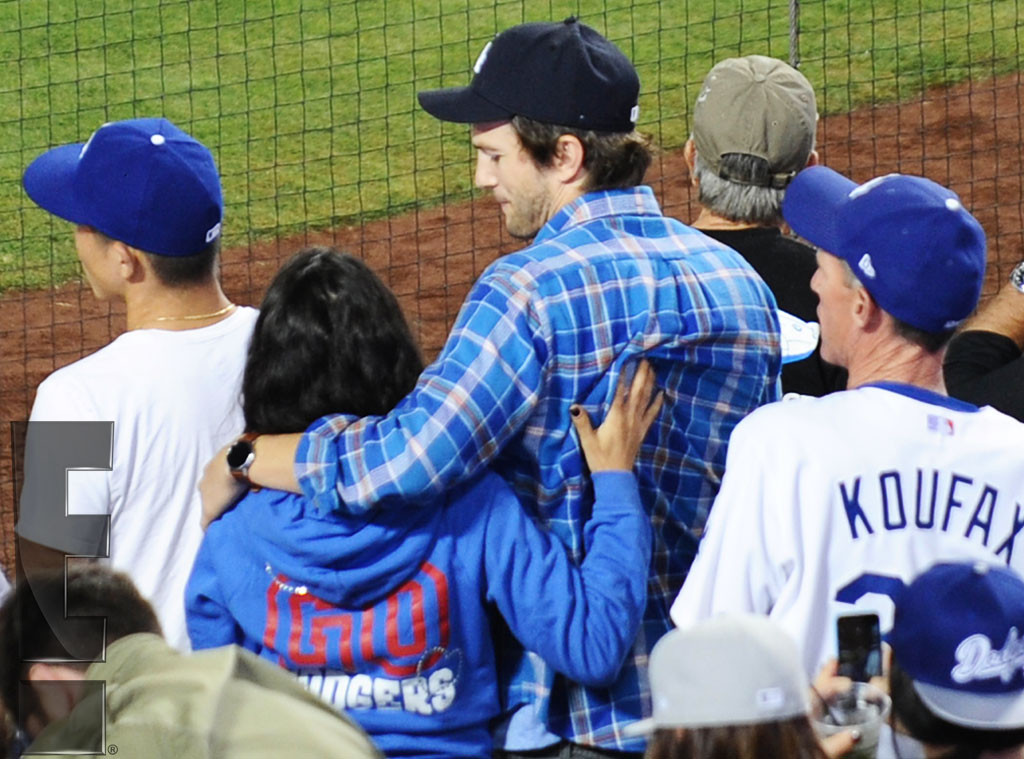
[309, 105]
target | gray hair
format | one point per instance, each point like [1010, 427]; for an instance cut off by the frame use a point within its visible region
[852, 280]
[732, 198]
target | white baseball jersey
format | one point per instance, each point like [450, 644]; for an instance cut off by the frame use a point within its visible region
[831, 504]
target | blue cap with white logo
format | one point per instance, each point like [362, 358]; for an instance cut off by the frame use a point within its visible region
[144, 182]
[957, 633]
[910, 241]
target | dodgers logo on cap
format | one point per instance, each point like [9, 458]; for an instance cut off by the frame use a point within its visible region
[957, 634]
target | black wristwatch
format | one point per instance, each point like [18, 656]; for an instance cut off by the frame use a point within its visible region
[1017, 276]
[241, 454]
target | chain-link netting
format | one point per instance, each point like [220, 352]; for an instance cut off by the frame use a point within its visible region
[309, 107]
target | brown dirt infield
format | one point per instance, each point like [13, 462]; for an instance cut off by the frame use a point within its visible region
[968, 137]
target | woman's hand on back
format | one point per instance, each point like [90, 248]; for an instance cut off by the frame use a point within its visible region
[614, 445]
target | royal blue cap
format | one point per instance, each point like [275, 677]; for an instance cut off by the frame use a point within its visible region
[144, 182]
[555, 73]
[957, 634]
[910, 241]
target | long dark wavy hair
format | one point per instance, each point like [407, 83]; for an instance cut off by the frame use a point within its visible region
[330, 338]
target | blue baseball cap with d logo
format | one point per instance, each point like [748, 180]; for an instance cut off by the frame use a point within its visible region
[144, 182]
[957, 632]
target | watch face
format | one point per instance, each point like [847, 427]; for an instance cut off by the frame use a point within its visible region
[239, 453]
[1017, 276]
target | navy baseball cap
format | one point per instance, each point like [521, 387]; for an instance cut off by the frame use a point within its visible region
[910, 241]
[555, 73]
[144, 182]
[957, 634]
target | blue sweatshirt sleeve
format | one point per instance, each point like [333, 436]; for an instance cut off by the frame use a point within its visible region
[582, 620]
[207, 616]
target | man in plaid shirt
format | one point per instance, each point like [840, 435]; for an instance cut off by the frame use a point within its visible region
[545, 333]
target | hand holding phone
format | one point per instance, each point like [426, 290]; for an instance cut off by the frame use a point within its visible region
[860, 646]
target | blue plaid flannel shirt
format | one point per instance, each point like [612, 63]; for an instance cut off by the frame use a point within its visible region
[607, 280]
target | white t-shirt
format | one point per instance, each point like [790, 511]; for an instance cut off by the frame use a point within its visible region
[174, 398]
[828, 504]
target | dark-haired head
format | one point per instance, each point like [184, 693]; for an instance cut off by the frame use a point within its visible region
[90, 590]
[330, 338]
[792, 738]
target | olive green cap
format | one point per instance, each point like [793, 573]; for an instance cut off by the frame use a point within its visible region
[757, 106]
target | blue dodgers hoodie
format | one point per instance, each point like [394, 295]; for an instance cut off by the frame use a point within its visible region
[385, 614]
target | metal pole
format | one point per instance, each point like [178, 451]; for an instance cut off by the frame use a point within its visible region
[794, 33]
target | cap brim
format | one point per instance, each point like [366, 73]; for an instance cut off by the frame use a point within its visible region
[639, 728]
[461, 105]
[799, 338]
[988, 710]
[49, 181]
[811, 202]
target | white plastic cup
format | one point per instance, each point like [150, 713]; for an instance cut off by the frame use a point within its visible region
[863, 707]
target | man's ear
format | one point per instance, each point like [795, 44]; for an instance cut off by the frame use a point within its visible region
[568, 160]
[129, 260]
[43, 671]
[866, 313]
[690, 156]
[58, 688]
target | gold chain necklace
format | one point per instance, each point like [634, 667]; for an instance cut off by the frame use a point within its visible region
[195, 317]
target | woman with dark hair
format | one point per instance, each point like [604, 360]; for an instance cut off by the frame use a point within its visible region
[388, 614]
[957, 673]
[731, 687]
[330, 338]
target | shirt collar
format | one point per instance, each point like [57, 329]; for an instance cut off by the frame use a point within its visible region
[923, 395]
[636, 201]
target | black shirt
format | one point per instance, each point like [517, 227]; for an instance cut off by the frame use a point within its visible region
[787, 266]
[986, 369]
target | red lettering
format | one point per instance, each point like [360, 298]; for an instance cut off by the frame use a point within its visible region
[366, 635]
[311, 606]
[273, 614]
[396, 648]
[343, 621]
[315, 618]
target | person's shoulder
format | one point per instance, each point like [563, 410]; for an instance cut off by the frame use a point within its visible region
[130, 349]
[95, 371]
[795, 430]
[1012, 428]
[623, 242]
[793, 248]
[999, 346]
[246, 317]
[794, 414]
[485, 488]
[262, 511]
[479, 501]
[237, 327]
